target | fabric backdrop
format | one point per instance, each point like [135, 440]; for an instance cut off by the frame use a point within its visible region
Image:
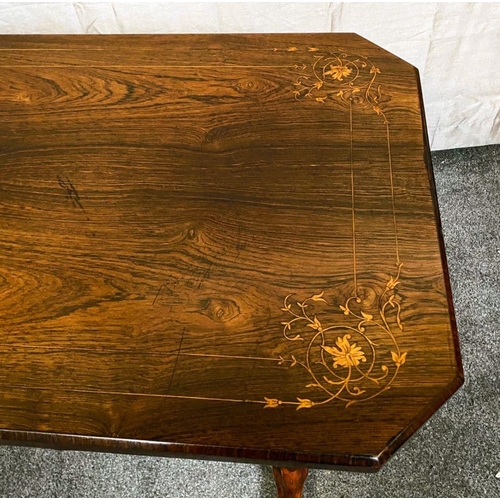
[456, 46]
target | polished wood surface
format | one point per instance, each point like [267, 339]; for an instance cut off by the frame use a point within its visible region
[219, 246]
[289, 482]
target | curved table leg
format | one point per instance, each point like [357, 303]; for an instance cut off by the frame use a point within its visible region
[289, 482]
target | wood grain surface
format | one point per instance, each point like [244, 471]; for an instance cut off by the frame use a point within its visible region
[224, 246]
[289, 482]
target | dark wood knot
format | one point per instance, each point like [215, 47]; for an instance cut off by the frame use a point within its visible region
[252, 86]
[219, 310]
[369, 296]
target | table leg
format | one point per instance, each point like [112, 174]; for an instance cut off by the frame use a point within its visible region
[289, 482]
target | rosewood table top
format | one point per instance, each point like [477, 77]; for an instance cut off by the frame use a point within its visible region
[219, 246]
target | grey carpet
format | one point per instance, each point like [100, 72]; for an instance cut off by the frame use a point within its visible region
[455, 454]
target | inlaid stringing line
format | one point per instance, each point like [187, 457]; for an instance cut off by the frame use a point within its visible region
[352, 204]
[392, 194]
[120, 393]
[51, 50]
[227, 356]
[132, 352]
[85, 66]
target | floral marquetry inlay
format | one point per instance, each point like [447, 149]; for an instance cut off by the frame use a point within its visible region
[340, 76]
[352, 360]
[358, 358]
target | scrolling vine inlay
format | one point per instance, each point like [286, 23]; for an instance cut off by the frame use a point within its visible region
[338, 75]
[347, 368]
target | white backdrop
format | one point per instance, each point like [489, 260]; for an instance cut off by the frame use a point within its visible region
[456, 46]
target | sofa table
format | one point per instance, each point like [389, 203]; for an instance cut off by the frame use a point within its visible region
[219, 246]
